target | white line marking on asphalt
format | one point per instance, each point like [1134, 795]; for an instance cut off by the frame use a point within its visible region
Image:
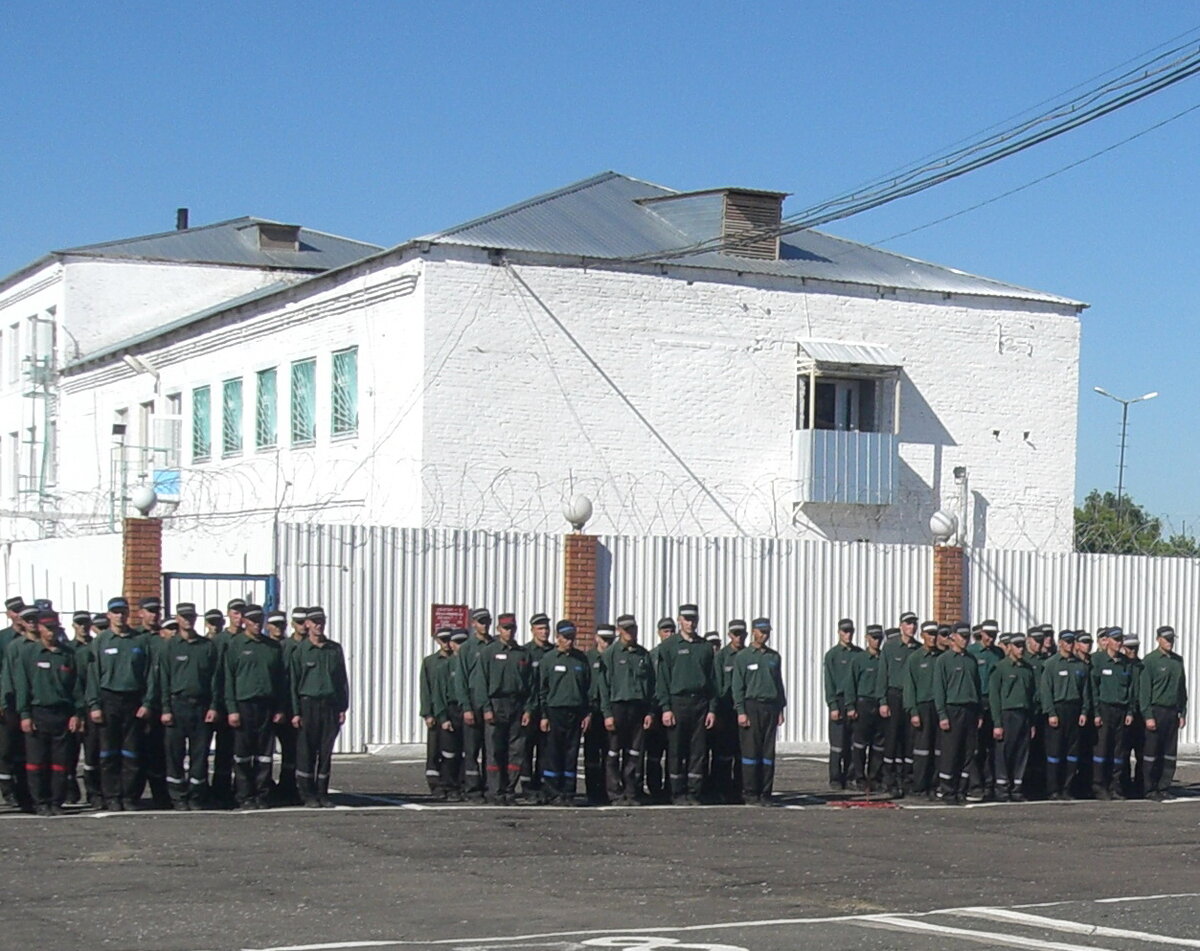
[1075, 927]
[993, 938]
[1109, 901]
[405, 762]
[386, 800]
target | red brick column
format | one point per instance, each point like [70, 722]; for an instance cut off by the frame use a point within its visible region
[579, 586]
[948, 602]
[143, 559]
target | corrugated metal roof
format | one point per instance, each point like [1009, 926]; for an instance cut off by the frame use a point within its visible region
[852, 354]
[601, 218]
[231, 242]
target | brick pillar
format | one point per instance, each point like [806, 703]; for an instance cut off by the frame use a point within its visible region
[143, 559]
[948, 600]
[579, 586]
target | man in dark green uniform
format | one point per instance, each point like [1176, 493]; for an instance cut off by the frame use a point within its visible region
[595, 740]
[50, 705]
[958, 699]
[13, 779]
[320, 697]
[474, 745]
[627, 703]
[658, 789]
[152, 753]
[687, 695]
[920, 710]
[726, 773]
[897, 734]
[448, 712]
[184, 685]
[256, 695]
[535, 740]
[222, 770]
[1162, 694]
[1066, 699]
[1035, 769]
[987, 654]
[430, 668]
[564, 681]
[117, 684]
[285, 792]
[81, 641]
[1134, 773]
[759, 698]
[1114, 692]
[1012, 699]
[865, 698]
[504, 685]
[836, 667]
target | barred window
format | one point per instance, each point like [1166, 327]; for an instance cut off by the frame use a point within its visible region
[231, 417]
[201, 424]
[304, 402]
[266, 410]
[345, 392]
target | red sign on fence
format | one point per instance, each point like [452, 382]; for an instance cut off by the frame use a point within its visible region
[449, 615]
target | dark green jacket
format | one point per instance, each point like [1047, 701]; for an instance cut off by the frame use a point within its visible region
[254, 671]
[1114, 681]
[564, 681]
[594, 654]
[430, 671]
[685, 668]
[1036, 663]
[837, 675]
[120, 663]
[1065, 680]
[9, 664]
[987, 658]
[48, 678]
[918, 678]
[446, 692]
[865, 682]
[893, 664]
[188, 669]
[467, 659]
[758, 675]
[626, 674]
[504, 671]
[319, 673]
[955, 682]
[723, 668]
[1163, 683]
[1012, 686]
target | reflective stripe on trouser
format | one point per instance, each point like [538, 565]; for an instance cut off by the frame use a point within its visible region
[505, 738]
[626, 744]
[1011, 754]
[958, 746]
[1162, 748]
[48, 750]
[120, 735]
[757, 749]
[450, 751]
[253, 743]
[687, 745]
[926, 741]
[562, 750]
[867, 743]
[318, 732]
[188, 738]
[1062, 747]
[840, 737]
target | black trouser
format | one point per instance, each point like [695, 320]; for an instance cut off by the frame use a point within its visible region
[188, 737]
[725, 740]
[13, 781]
[319, 728]
[474, 755]
[958, 748]
[595, 752]
[687, 745]
[121, 734]
[87, 758]
[757, 743]
[656, 749]
[841, 734]
[926, 743]
[867, 738]
[253, 742]
[48, 750]
[1111, 752]
[983, 763]
[1035, 770]
[153, 761]
[1162, 747]
[433, 758]
[897, 743]
[1062, 747]
[562, 751]
[533, 757]
[1084, 773]
[626, 743]
[286, 737]
[1011, 754]
[505, 738]
[450, 751]
[222, 771]
[1134, 774]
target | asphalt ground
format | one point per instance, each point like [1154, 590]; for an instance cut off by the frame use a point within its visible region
[390, 868]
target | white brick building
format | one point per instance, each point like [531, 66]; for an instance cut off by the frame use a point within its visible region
[480, 376]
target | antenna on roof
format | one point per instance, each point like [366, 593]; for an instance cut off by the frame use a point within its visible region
[181, 219]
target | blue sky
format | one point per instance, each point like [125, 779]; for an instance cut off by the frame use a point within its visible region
[381, 121]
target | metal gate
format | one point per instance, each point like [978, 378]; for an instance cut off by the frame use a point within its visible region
[216, 590]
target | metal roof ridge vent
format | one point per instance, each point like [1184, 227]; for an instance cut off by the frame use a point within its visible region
[750, 223]
[274, 236]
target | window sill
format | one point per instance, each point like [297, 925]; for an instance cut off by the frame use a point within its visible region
[303, 443]
[348, 436]
[232, 454]
[267, 447]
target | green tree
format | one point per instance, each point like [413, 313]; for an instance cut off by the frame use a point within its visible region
[1103, 527]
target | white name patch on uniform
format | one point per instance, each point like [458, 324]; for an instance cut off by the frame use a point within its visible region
[560, 668]
[752, 666]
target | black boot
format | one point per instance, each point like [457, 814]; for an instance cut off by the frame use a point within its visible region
[323, 792]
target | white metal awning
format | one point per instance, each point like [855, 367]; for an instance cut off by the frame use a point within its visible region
[872, 358]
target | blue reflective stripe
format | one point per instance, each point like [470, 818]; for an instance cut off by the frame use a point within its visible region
[106, 754]
[1099, 759]
[547, 772]
[1072, 759]
[768, 762]
[749, 762]
[1053, 759]
[569, 775]
[129, 754]
[1121, 761]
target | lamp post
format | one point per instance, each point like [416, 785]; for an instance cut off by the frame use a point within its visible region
[1125, 404]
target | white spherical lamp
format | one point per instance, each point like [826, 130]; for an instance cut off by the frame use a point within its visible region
[578, 511]
[143, 498]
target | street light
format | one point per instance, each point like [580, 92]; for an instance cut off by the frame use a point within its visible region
[1125, 404]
